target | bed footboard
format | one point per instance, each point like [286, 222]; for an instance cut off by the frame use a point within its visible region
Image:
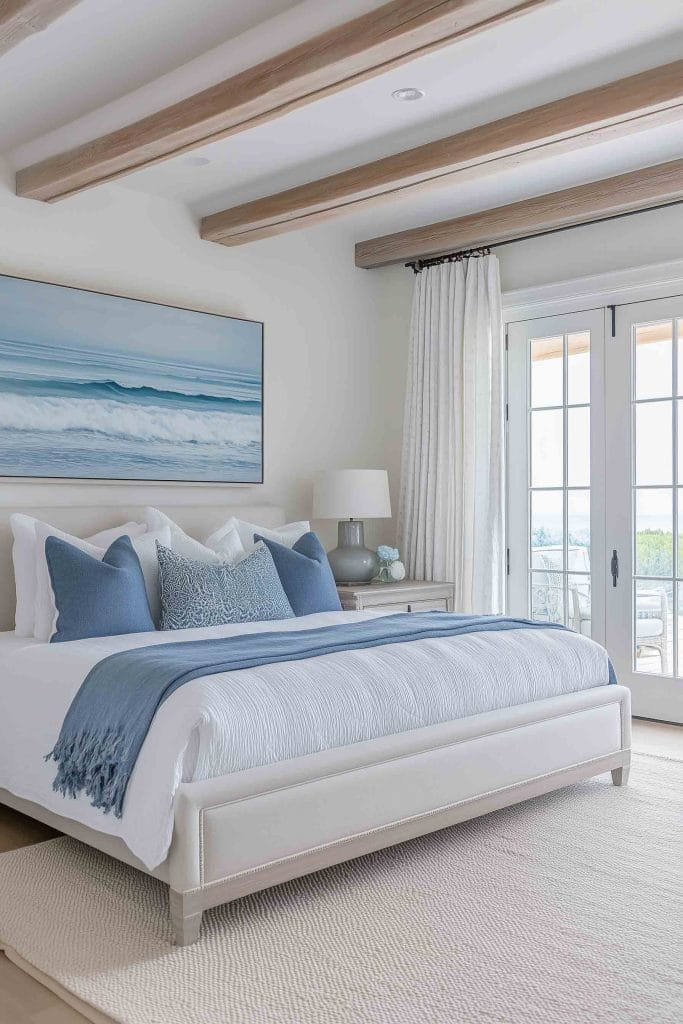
[254, 829]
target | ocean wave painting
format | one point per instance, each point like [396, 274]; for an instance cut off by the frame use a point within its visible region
[101, 387]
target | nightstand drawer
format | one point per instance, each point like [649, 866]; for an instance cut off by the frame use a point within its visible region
[428, 606]
[404, 596]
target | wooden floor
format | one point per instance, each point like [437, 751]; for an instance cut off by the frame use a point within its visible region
[25, 1001]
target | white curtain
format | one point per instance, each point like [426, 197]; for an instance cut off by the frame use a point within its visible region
[451, 514]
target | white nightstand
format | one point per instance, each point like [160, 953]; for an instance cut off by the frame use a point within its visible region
[406, 596]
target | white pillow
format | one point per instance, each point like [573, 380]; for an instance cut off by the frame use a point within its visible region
[287, 535]
[226, 541]
[188, 547]
[24, 556]
[24, 559]
[145, 548]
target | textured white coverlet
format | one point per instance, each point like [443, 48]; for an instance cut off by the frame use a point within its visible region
[232, 721]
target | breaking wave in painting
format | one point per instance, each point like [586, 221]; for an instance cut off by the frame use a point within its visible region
[79, 413]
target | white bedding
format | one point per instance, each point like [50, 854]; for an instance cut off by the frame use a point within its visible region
[231, 721]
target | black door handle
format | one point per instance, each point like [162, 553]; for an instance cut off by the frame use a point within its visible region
[614, 567]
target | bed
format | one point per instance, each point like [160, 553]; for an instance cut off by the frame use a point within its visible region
[273, 772]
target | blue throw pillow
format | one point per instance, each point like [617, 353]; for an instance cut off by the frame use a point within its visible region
[97, 598]
[306, 575]
[194, 594]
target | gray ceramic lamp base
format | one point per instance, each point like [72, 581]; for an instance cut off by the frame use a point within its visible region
[351, 561]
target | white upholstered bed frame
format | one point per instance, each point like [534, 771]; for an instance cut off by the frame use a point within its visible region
[243, 832]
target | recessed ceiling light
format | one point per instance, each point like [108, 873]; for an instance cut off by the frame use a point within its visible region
[196, 161]
[407, 95]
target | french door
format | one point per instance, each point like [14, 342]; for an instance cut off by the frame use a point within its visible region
[595, 487]
[644, 438]
[555, 410]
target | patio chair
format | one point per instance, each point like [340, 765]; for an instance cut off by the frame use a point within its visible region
[652, 606]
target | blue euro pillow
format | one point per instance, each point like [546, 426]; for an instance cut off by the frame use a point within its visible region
[305, 575]
[97, 598]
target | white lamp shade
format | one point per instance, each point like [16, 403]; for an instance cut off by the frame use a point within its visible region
[352, 494]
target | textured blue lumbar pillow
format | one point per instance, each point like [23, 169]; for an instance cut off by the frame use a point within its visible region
[194, 594]
[97, 598]
[305, 574]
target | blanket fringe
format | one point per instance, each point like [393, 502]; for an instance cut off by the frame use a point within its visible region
[94, 764]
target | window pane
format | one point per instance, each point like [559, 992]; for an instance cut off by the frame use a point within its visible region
[679, 570]
[547, 463]
[578, 447]
[654, 374]
[579, 610]
[654, 532]
[653, 443]
[578, 531]
[546, 372]
[680, 357]
[547, 530]
[579, 368]
[653, 638]
[547, 596]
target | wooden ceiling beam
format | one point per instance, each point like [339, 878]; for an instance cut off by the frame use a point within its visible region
[598, 200]
[620, 108]
[369, 45]
[21, 18]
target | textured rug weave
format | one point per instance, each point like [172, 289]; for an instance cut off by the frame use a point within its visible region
[562, 910]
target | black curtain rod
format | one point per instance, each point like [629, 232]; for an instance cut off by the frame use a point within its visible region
[419, 264]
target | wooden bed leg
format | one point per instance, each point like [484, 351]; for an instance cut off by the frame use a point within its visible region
[186, 925]
[620, 775]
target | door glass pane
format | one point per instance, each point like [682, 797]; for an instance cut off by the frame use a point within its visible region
[579, 597]
[653, 443]
[578, 531]
[579, 368]
[579, 447]
[546, 372]
[547, 530]
[658, 552]
[547, 461]
[547, 596]
[653, 376]
[558, 373]
[654, 532]
[653, 627]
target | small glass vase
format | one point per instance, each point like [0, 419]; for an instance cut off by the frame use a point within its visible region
[383, 575]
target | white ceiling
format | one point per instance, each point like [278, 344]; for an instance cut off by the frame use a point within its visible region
[563, 48]
[101, 50]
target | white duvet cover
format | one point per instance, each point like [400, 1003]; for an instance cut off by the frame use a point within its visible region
[236, 720]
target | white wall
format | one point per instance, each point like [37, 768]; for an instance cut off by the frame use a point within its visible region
[334, 356]
[639, 239]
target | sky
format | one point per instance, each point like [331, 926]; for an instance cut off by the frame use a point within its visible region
[70, 317]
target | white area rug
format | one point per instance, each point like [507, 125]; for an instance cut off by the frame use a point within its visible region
[563, 910]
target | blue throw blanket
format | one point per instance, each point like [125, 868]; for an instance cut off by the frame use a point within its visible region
[110, 715]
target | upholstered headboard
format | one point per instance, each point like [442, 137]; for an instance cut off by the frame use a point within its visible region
[82, 520]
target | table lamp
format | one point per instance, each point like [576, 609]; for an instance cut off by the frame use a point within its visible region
[352, 495]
